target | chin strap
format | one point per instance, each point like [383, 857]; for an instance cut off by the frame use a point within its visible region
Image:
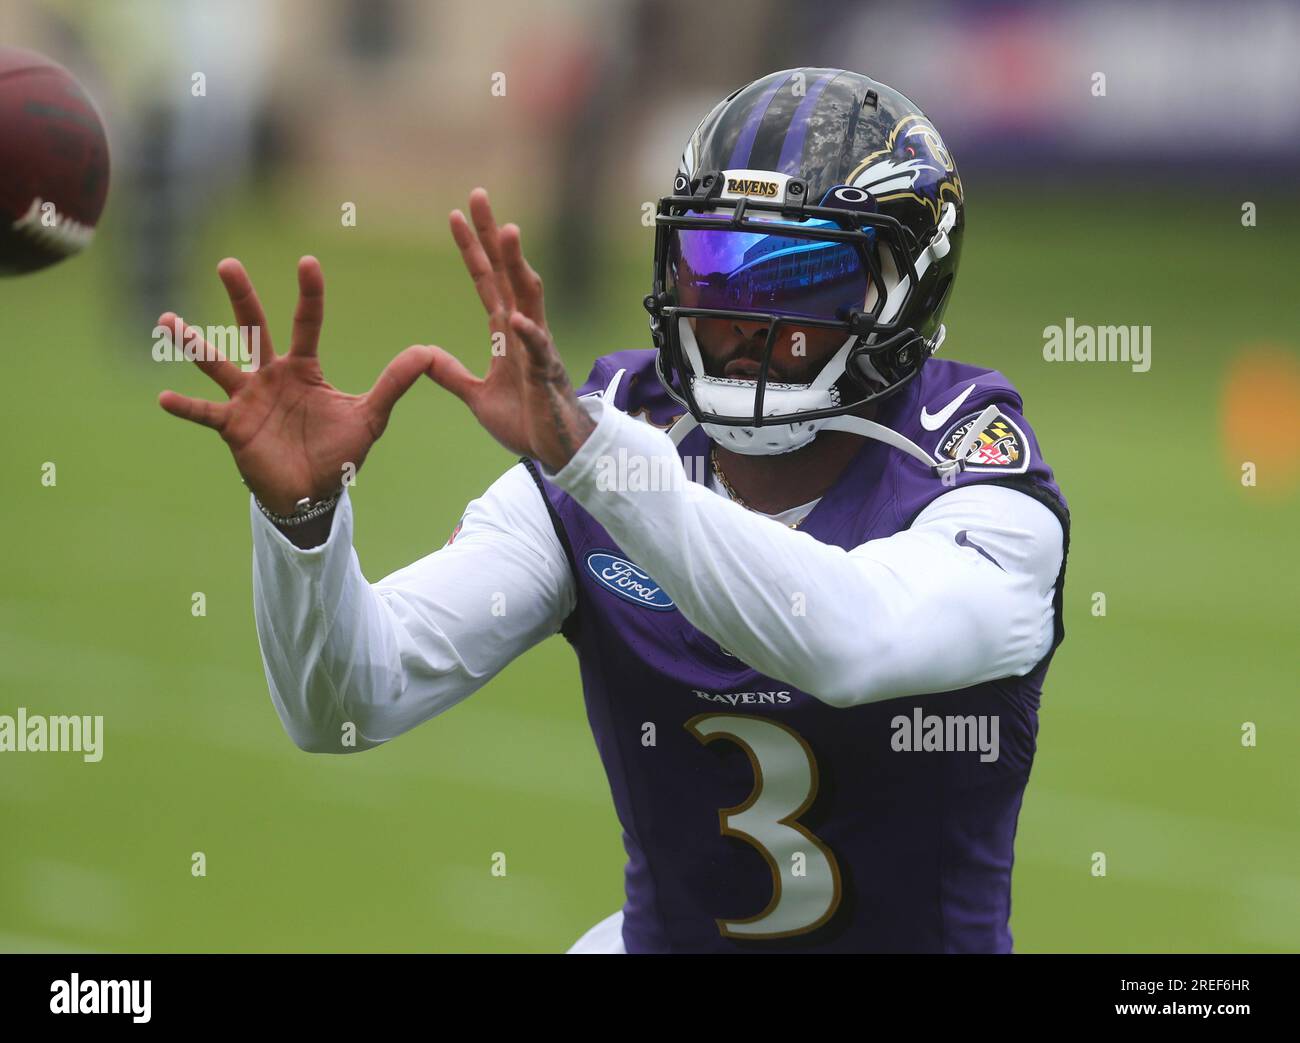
[870, 429]
[684, 426]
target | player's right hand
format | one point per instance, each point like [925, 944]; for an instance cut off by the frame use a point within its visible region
[291, 433]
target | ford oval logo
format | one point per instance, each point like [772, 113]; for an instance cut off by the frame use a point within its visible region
[628, 581]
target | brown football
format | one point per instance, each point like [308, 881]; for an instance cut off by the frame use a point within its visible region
[53, 163]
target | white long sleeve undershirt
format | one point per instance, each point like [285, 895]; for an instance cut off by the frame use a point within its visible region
[909, 614]
[389, 655]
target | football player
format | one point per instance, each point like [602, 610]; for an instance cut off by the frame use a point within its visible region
[803, 563]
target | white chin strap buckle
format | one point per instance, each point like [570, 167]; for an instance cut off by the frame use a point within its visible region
[728, 397]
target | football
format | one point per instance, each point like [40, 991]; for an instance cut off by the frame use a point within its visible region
[53, 163]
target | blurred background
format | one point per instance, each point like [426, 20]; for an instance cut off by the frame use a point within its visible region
[1120, 208]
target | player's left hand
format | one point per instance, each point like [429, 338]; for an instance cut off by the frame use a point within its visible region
[526, 401]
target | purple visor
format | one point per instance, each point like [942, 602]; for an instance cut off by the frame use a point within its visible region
[742, 270]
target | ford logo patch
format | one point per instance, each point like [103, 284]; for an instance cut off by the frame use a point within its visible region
[628, 581]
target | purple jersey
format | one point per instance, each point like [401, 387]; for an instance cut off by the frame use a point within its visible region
[757, 818]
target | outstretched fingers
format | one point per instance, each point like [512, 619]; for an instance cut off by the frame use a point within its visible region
[200, 411]
[526, 283]
[397, 378]
[477, 264]
[246, 306]
[537, 343]
[485, 224]
[446, 370]
[190, 340]
[485, 227]
[310, 313]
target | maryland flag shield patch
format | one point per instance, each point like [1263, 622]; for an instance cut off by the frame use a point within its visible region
[1000, 448]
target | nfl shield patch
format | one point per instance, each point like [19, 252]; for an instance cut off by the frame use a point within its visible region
[1000, 448]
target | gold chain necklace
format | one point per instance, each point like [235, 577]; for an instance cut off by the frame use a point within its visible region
[722, 480]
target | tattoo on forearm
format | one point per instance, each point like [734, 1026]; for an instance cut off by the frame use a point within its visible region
[571, 426]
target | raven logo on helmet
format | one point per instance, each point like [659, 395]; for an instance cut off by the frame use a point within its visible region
[914, 164]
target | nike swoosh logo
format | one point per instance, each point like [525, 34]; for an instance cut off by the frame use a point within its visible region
[934, 421]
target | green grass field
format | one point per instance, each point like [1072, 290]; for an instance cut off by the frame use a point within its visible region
[1139, 757]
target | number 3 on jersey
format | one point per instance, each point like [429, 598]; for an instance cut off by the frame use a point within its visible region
[805, 878]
